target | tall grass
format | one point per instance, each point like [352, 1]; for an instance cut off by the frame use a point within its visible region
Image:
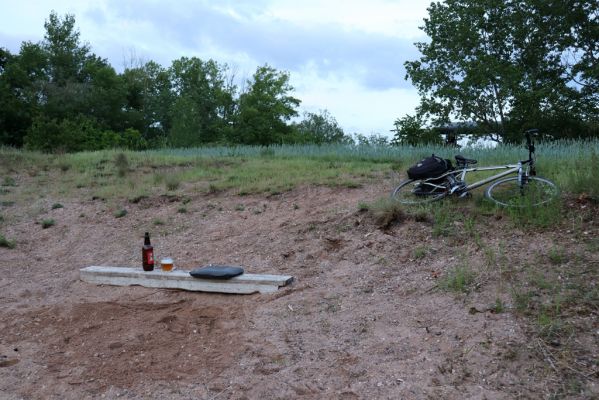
[571, 164]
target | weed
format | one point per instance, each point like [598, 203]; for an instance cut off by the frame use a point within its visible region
[46, 223]
[295, 206]
[419, 252]
[522, 299]
[172, 182]
[182, 210]
[443, 221]
[122, 164]
[57, 205]
[9, 181]
[9, 244]
[385, 212]
[498, 307]
[239, 207]
[158, 222]
[458, 279]
[557, 255]
[362, 206]
[120, 213]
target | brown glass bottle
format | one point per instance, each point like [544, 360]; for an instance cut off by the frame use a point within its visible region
[147, 253]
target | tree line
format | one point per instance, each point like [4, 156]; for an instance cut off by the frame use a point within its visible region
[56, 95]
[498, 67]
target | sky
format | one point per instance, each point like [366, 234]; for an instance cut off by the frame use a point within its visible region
[344, 56]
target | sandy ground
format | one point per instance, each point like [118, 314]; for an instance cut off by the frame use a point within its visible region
[362, 320]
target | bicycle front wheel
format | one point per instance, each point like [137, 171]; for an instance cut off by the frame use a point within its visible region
[533, 192]
[418, 192]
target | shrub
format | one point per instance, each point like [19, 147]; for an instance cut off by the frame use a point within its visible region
[48, 223]
[9, 244]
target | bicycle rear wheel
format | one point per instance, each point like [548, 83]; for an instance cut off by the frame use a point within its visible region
[418, 192]
[533, 192]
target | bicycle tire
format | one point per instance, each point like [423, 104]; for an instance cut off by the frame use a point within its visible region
[405, 193]
[535, 192]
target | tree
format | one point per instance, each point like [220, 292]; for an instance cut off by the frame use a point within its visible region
[319, 129]
[410, 130]
[264, 109]
[149, 100]
[497, 63]
[204, 102]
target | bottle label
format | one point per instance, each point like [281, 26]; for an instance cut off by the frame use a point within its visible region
[150, 257]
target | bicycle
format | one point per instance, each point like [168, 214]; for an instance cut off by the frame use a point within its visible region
[524, 189]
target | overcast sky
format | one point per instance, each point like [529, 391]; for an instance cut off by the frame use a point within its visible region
[345, 56]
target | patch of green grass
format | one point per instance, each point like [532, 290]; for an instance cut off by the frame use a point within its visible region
[158, 222]
[47, 223]
[9, 181]
[458, 279]
[420, 252]
[498, 307]
[56, 206]
[545, 216]
[443, 220]
[239, 207]
[557, 255]
[182, 210]
[4, 242]
[120, 213]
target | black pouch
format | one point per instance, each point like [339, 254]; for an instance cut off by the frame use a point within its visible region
[429, 167]
[216, 272]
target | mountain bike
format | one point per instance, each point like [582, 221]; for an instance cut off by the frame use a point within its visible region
[523, 189]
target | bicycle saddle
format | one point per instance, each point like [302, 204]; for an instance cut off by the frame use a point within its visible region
[463, 160]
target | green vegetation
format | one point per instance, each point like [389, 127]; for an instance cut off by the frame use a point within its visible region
[4, 242]
[505, 66]
[47, 223]
[120, 213]
[56, 96]
[458, 279]
[57, 205]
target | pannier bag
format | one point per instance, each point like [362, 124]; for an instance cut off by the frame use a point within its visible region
[429, 167]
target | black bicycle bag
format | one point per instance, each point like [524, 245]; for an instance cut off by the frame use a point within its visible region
[429, 167]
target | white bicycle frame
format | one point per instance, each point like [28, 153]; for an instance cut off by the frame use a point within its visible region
[510, 169]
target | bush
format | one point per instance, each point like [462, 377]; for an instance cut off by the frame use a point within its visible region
[78, 134]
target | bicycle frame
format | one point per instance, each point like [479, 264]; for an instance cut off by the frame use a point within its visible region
[460, 174]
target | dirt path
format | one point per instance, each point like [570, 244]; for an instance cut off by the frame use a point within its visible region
[363, 319]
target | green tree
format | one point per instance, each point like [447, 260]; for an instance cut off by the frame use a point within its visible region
[497, 63]
[21, 77]
[204, 103]
[410, 130]
[320, 128]
[265, 108]
[149, 100]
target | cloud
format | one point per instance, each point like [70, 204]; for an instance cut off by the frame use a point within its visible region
[241, 35]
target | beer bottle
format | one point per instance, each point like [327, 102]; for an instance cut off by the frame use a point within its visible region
[147, 253]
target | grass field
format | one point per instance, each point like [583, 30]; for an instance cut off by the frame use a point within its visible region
[250, 169]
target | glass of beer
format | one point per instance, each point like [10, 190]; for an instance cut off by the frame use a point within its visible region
[166, 264]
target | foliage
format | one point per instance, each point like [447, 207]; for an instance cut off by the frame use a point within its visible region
[410, 130]
[320, 128]
[506, 65]
[265, 108]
